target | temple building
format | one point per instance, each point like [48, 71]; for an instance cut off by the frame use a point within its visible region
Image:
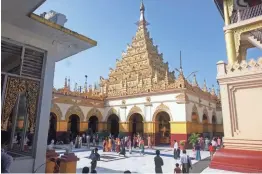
[140, 95]
[30, 46]
[240, 83]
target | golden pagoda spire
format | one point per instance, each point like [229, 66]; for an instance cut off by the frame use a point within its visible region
[204, 86]
[142, 19]
[142, 11]
[213, 92]
[194, 83]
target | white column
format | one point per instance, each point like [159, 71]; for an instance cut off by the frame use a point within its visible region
[123, 113]
[44, 111]
[148, 114]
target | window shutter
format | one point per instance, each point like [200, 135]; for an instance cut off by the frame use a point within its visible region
[32, 64]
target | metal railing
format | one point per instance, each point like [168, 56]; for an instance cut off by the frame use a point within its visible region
[247, 13]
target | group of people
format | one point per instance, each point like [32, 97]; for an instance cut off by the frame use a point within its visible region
[119, 145]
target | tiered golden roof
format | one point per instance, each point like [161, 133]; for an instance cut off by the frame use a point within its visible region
[142, 70]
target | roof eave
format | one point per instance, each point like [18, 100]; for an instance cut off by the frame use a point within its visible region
[220, 8]
[63, 29]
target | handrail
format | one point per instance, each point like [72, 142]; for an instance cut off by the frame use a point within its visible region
[247, 13]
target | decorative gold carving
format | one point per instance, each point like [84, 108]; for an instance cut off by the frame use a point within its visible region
[133, 110]
[230, 5]
[162, 107]
[181, 98]
[94, 112]
[15, 86]
[57, 111]
[239, 31]
[148, 99]
[111, 112]
[32, 97]
[74, 110]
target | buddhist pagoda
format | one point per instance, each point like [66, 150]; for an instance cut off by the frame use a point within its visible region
[140, 96]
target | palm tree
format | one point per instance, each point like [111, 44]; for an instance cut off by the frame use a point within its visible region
[193, 138]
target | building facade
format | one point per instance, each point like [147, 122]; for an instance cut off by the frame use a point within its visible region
[240, 82]
[30, 46]
[140, 96]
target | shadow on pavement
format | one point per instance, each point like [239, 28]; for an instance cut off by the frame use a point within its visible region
[102, 170]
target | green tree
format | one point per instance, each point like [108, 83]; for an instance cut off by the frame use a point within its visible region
[193, 138]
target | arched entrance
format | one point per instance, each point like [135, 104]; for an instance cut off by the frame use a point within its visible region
[194, 127]
[136, 125]
[93, 124]
[162, 128]
[113, 125]
[214, 122]
[52, 127]
[74, 125]
[205, 126]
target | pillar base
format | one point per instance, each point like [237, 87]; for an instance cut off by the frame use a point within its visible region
[51, 156]
[244, 161]
[68, 163]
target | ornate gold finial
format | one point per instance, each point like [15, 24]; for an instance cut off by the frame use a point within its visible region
[142, 7]
[194, 83]
[204, 86]
[213, 92]
[142, 19]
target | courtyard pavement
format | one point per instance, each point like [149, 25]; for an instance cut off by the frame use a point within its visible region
[111, 162]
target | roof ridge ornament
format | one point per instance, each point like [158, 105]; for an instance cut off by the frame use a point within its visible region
[142, 19]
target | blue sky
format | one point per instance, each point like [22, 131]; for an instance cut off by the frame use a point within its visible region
[194, 27]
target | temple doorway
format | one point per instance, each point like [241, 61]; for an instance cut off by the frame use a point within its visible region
[93, 124]
[136, 125]
[214, 122]
[162, 128]
[74, 125]
[113, 125]
[205, 126]
[52, 128]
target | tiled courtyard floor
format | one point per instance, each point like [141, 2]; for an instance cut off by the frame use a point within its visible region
[113, 163]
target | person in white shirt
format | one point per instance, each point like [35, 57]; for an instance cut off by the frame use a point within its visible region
[175, 149]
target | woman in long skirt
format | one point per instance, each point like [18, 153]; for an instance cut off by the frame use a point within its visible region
[197, 149]
[117, 145]
[110, 145]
